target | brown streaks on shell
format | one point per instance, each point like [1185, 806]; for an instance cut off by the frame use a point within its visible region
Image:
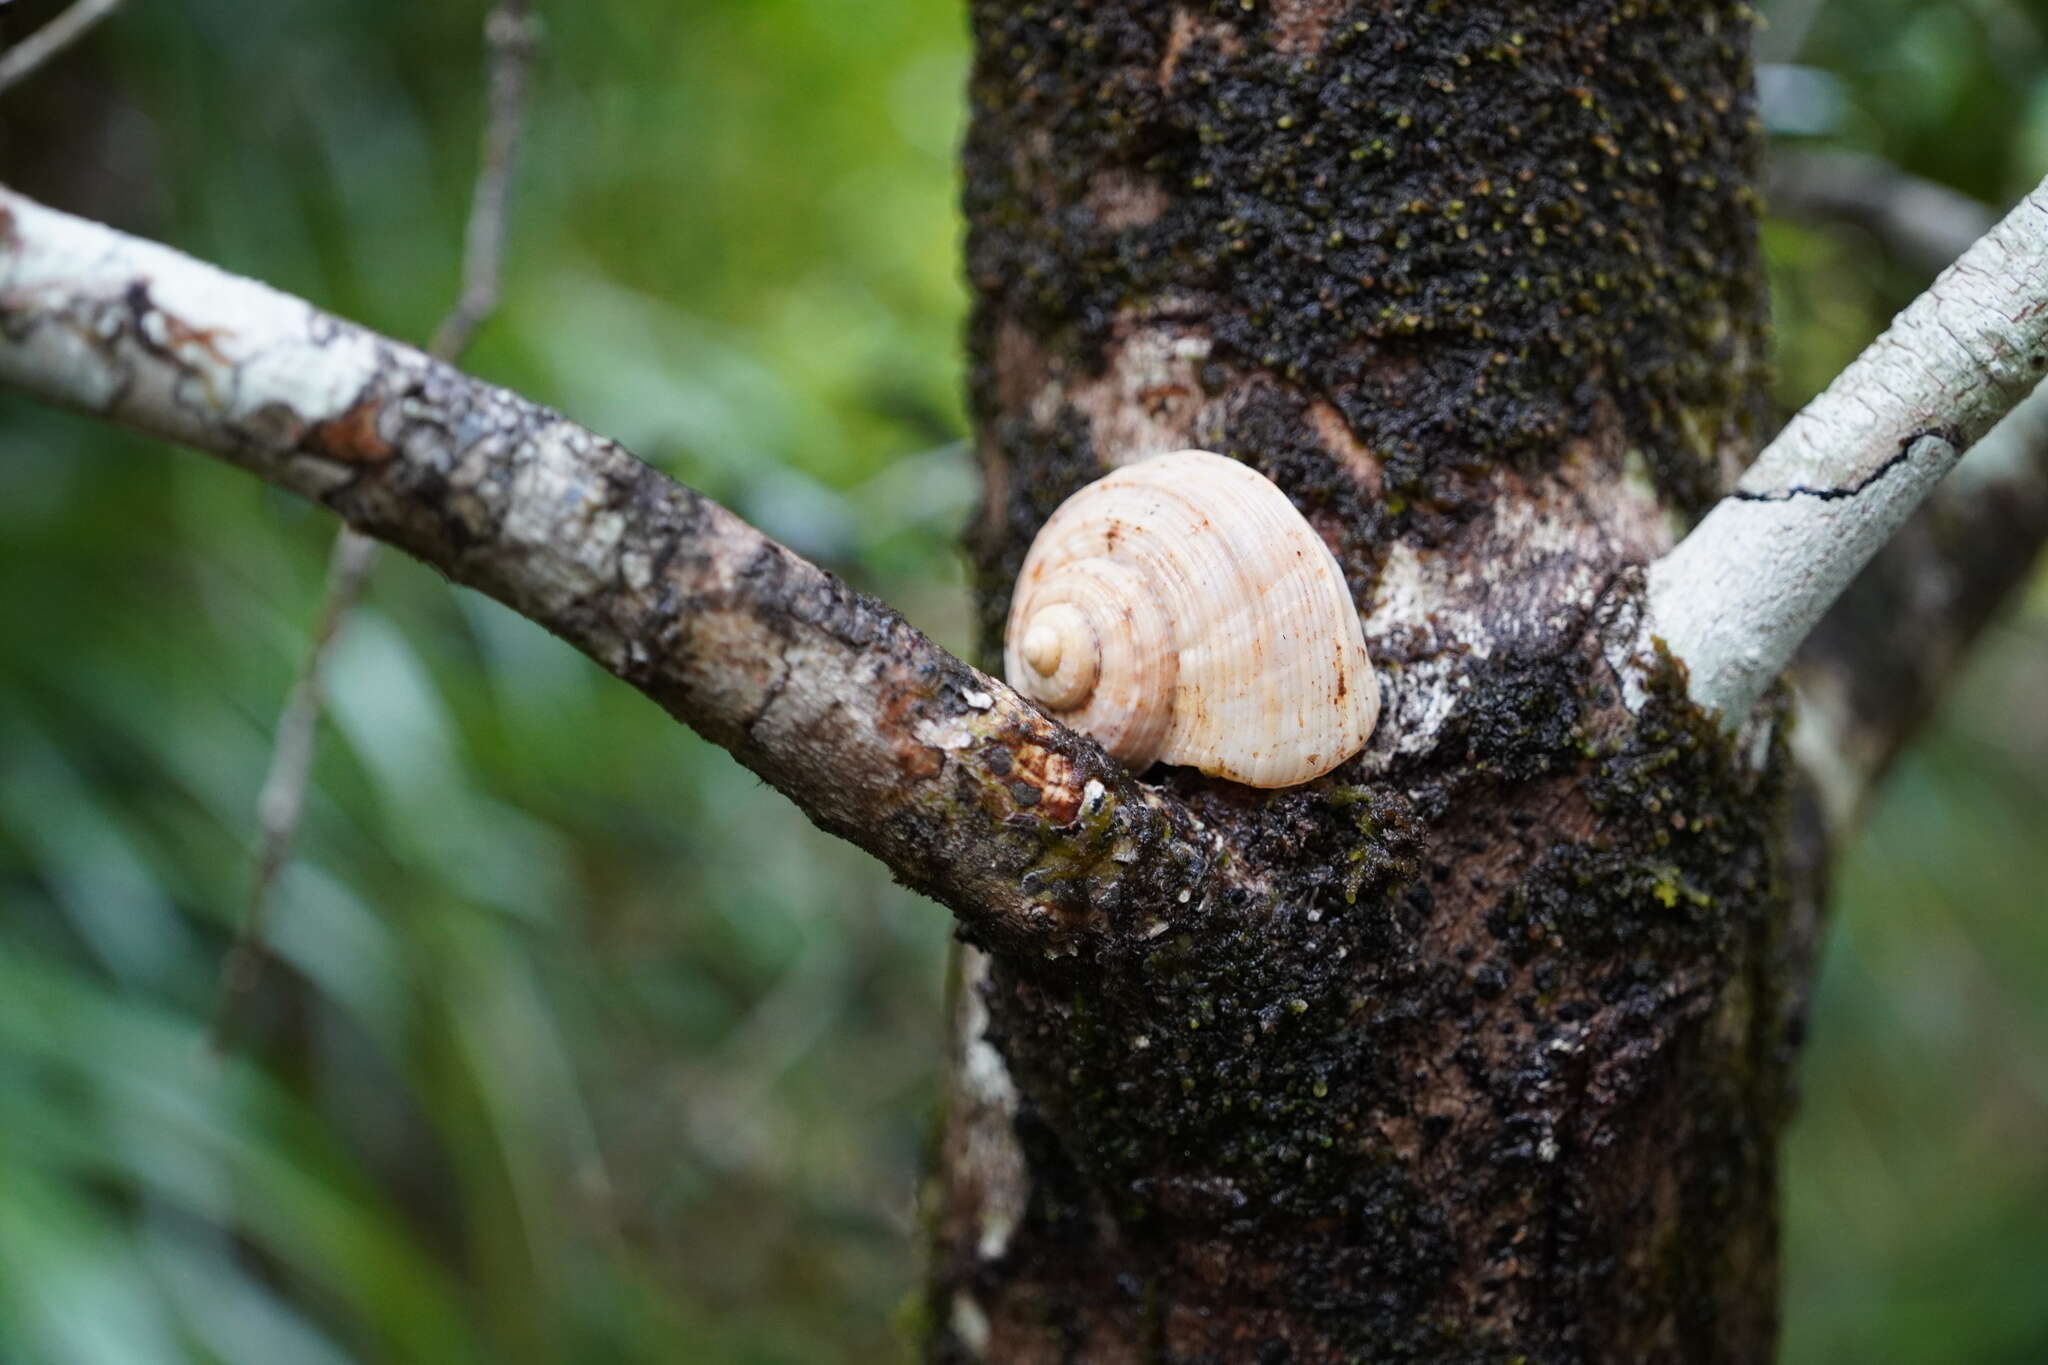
[1180, 610]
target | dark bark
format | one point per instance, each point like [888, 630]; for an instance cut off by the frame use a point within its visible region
[1482, 1053]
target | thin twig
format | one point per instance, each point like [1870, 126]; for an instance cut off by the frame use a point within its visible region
[282, 801]
[34, 52]
[511, 36]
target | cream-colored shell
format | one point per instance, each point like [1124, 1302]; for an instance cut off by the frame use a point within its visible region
[1181, 611]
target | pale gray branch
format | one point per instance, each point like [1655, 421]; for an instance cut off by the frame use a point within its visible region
[36, 51]
[1025, 829]
[1737, 596]
[1885, 655]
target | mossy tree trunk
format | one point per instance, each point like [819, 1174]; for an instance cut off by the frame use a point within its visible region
[1494, 1065]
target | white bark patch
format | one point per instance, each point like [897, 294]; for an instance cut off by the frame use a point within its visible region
[206, 348]
[951, 734]
[1522, 575]
[970, 1324]
[556, 513]
[637, 568]
[988, 1106]
[474, 494]
[1146, 403]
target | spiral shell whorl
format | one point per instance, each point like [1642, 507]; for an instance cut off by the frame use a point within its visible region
[1181, 610]
[1115, 659]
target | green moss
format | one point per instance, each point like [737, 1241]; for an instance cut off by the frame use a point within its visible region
[1279, 1032]
[1251, 1073]
[1443, 267]
[1685, 868]
[1484, 235]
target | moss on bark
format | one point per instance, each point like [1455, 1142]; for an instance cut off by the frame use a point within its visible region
[1479, 1053]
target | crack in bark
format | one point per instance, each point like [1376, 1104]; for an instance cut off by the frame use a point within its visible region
[1739, 594]
[1950, 438]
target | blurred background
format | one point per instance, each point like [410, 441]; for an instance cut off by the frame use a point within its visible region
[580, 1044]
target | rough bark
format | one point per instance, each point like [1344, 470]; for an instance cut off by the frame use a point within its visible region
[1026, 830]
[1493, 1064]
[1476, 1049]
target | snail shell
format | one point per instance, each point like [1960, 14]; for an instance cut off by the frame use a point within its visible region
[1181, 611]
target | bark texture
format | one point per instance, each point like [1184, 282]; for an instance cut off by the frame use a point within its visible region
[1889, 650]
[1476, 1049]
[1024, 828]
[1484, 1055]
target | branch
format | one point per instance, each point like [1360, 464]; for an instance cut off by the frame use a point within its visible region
[1026, 830]
[1739, 594]
[511, 37]
[34, 52]
[1886, 653]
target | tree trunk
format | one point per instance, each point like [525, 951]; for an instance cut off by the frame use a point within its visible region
[1485, 1055]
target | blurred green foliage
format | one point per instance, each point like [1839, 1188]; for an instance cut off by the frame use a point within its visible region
[580, 1044]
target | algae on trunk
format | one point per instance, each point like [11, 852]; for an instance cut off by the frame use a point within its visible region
[1480, 1051]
